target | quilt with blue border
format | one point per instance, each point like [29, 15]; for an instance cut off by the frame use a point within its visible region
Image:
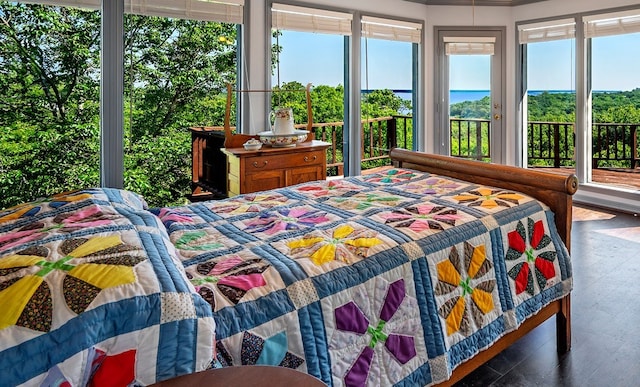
[92, 293]
[387, 279]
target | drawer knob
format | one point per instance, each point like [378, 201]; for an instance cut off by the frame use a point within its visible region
[307, 159]
[264, 164]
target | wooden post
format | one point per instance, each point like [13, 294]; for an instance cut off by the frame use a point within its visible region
[634, 145]
[392, 133]
[563, 325]
[556, 145]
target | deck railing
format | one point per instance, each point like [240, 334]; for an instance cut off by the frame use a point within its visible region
[470, 138]
[549, 143]
[378, 136]
[614, 145]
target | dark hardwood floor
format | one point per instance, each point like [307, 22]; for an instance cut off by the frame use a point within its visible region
[605, 251]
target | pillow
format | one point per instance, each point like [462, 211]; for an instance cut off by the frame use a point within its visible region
[45, 207]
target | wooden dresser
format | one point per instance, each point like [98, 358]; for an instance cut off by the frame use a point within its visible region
[269, 167]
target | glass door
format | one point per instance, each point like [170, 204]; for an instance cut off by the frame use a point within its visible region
[469, 107]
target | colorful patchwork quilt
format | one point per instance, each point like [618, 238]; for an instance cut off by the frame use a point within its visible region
[92, 293]
[388, 279]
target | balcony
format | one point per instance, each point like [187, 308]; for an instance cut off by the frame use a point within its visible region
[551, 146]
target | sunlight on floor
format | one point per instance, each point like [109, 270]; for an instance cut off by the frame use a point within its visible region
[584, 214]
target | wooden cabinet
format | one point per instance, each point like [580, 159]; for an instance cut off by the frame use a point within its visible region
[269, 168]
[208, 172]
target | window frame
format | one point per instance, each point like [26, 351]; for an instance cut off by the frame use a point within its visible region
[597, 194]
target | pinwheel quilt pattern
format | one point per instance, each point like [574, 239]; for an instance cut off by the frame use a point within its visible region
[393, 278]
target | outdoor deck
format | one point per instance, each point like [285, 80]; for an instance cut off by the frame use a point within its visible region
[621, 178]
[551, 143]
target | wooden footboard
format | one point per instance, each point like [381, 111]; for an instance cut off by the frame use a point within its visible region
[554, 190]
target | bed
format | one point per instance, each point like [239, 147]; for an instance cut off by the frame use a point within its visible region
[414, 275]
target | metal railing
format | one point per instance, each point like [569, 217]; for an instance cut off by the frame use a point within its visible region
[470, 138]
[548, 143]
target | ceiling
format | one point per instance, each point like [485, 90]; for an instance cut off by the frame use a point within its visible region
[507, 3]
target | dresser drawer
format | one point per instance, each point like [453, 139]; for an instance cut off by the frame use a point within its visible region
[289, 160]
[269, 168]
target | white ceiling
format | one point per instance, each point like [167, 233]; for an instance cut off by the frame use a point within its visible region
[507, 3]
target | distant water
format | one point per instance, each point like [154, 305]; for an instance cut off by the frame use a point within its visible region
[457, 96]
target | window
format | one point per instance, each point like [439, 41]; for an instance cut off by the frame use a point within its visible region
[550, 104]
[309, 47]
[615, 96]
[50, 104]
[178, 58]
[388, 77]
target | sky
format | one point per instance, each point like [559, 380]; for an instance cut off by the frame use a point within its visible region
[318, 58]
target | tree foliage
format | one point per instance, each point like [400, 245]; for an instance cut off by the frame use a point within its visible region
[49, 93]
[175, 71]
[617, 106]
[175, 76]
[472, 109]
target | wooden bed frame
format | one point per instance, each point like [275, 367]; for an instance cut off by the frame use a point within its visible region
[554, 190]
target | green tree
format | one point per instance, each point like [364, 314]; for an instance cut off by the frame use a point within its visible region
[379, 103]
[480, 109]
[50, 88]
[176, 77]
[49, 93]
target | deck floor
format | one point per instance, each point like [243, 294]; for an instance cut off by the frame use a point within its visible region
[621, 178]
